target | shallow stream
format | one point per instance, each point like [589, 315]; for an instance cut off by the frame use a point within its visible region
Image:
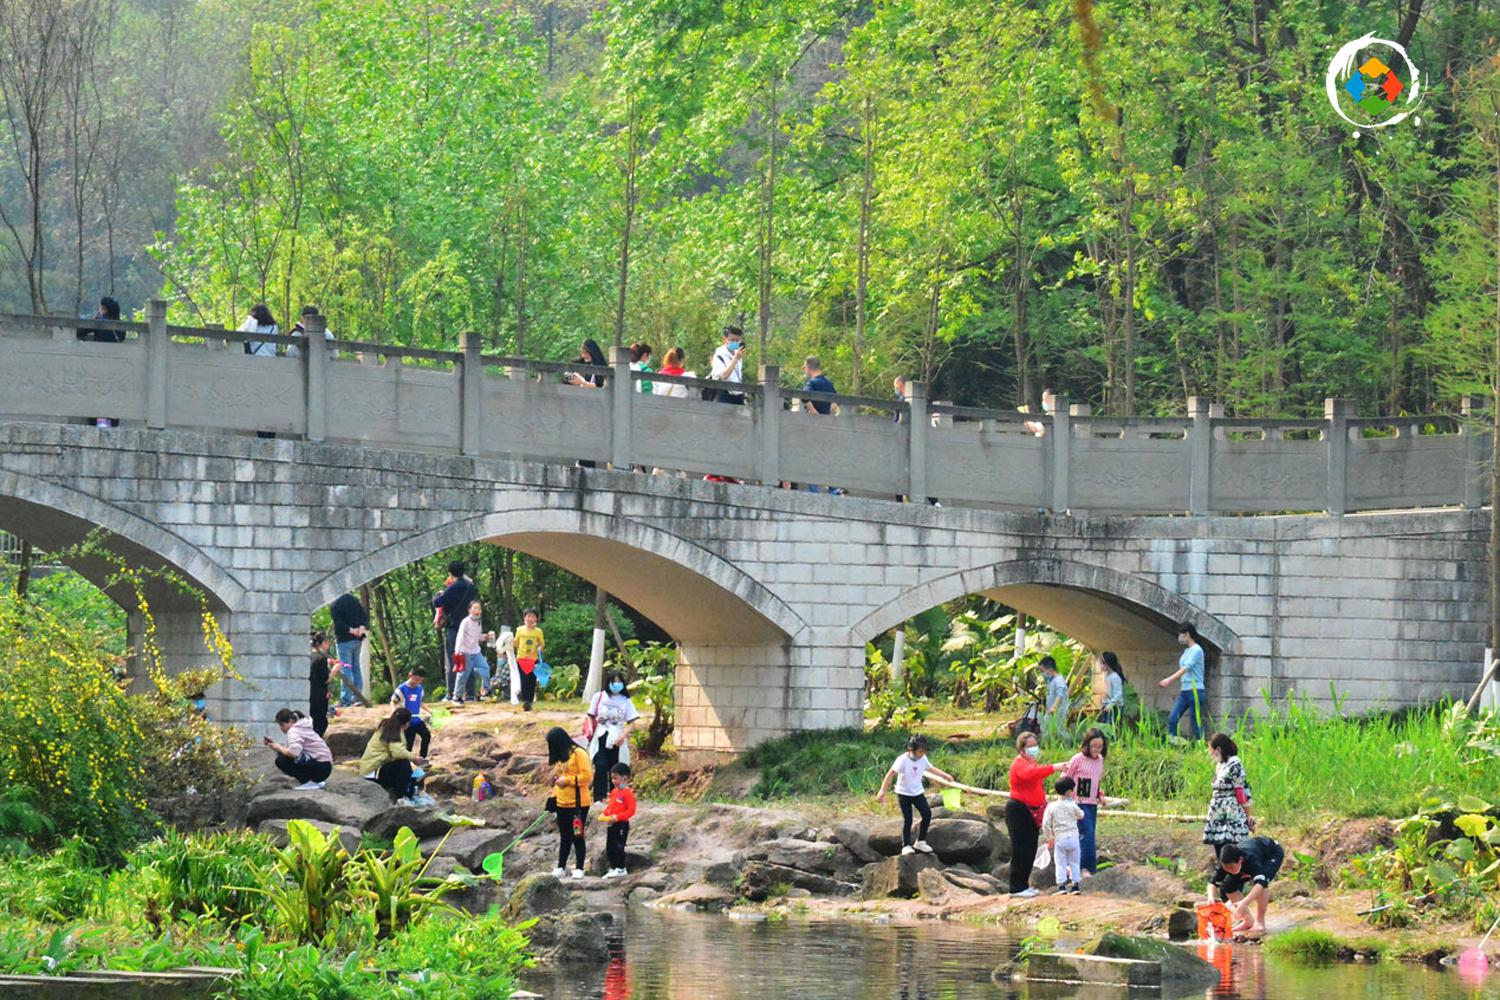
[685, 956]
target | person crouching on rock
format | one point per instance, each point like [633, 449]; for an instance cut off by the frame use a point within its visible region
[388, 762]
[305, 756]
[909, 771]
[572, 794]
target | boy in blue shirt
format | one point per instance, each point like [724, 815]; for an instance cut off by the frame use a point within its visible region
[409, 695]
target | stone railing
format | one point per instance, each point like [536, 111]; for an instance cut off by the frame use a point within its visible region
[468, 402]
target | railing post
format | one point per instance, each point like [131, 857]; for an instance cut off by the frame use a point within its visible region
[157, 344]
[621, 389]
[1336, 414]
[1200, 454]
[315, 371]
[471, 393]
[769, 469]
[919, 421]
[1061, 435]
[1477, 445]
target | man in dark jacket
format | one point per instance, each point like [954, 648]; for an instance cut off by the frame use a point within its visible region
[350, 627]
[452, 603]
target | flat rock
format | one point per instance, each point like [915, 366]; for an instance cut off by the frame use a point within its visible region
[934, 886]
[1180, 968]
[1057, 967]
[821, 857]
[347, 801]
[702, 896]
[423, 822]
[895, 877]
[982, 884]
[469, 845]
[761, 880]
[276, 830]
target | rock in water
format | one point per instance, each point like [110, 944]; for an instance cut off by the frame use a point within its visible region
[1180, 968]
[1182, 924]
[708, 898]
[536, 896]
[896, 876]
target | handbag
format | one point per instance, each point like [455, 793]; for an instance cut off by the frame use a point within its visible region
[591, 719]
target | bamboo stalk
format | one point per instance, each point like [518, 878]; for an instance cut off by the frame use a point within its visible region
[1110, 804]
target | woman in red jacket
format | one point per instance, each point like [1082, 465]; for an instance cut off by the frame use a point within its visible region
[1023, 811]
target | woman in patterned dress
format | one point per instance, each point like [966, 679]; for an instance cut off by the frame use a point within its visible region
[1229, 820]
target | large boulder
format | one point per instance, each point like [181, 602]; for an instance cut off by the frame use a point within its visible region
[701, 896]
[895, 877]
[422, 822]
[761, 880]
[934, 886]
[574, 939]
[536, 896]
[347, 801]
[347, 744]
[855, 836]
[965, 841]
[1180, 968]
[276, 830]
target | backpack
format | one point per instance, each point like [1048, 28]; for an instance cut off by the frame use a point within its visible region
[710, 395]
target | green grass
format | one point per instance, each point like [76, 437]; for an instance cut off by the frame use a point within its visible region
[1300, 763]
[1305, 944]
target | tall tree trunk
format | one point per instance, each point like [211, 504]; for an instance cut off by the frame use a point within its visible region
[23, 574]
[1020, 282]
[521, 281]
[768, 228]
[632, 153]
[862, 254]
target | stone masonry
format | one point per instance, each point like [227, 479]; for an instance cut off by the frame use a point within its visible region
[770, 593]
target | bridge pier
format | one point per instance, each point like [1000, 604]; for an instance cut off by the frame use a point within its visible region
[729, 698]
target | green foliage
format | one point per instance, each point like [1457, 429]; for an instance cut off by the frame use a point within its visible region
[22, 823]
[655, 667]
[1305, 944]
[565, 683]
[570, 632]
[179, 875]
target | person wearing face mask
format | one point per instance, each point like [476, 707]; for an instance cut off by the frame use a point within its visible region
[607, 728]
[1049, 406]
[1024, 810]
[729, 364]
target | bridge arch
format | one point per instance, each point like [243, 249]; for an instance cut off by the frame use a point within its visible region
[56, 517]
[1101, 607]
[693, 594]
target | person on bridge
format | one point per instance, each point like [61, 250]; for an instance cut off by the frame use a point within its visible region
[452, 604]
[260, 320]
[350, 626]
[640, 361]
[572, 794]
[729, 364]
[300, 329]
[304, 757]
[1024, 810]
[317, 683]
[671, 364]
[1190, 671]
[108, 309]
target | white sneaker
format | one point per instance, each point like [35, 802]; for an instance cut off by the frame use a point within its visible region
[924, 847]
[559, 873]
[406, 802]
[908, 849]
[1025, 893]
[614, 873]
[578, 873]
[308, 786]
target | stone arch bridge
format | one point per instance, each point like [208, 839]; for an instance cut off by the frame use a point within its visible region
[1107, 531]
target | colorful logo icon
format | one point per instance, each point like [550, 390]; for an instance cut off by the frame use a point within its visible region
[1372, 83]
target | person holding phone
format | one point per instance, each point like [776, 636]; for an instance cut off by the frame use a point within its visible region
[304, 757]
[728, 364]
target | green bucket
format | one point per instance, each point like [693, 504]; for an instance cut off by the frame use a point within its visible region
[953, 798]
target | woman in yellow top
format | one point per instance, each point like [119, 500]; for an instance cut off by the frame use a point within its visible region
[388, 762]
[574, 776]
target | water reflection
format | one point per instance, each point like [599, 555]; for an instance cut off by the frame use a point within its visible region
[679, 956]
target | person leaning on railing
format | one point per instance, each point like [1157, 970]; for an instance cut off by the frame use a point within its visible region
[109, 309]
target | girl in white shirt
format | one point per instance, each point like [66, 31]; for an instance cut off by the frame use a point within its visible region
[909, 771]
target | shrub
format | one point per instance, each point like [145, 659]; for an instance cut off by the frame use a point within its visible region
[204, 875]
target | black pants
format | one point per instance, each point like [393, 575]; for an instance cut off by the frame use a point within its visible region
[732, 398]
[303, 768]
[606, 758]
[614, 843]
[319, 719]
[567, 841]
[454, 682]
[528, 687]
[395, 777]
[1023, 838]
[417, 728]
[908, 803]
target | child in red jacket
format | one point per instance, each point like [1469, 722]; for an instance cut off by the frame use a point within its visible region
[617, 815]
